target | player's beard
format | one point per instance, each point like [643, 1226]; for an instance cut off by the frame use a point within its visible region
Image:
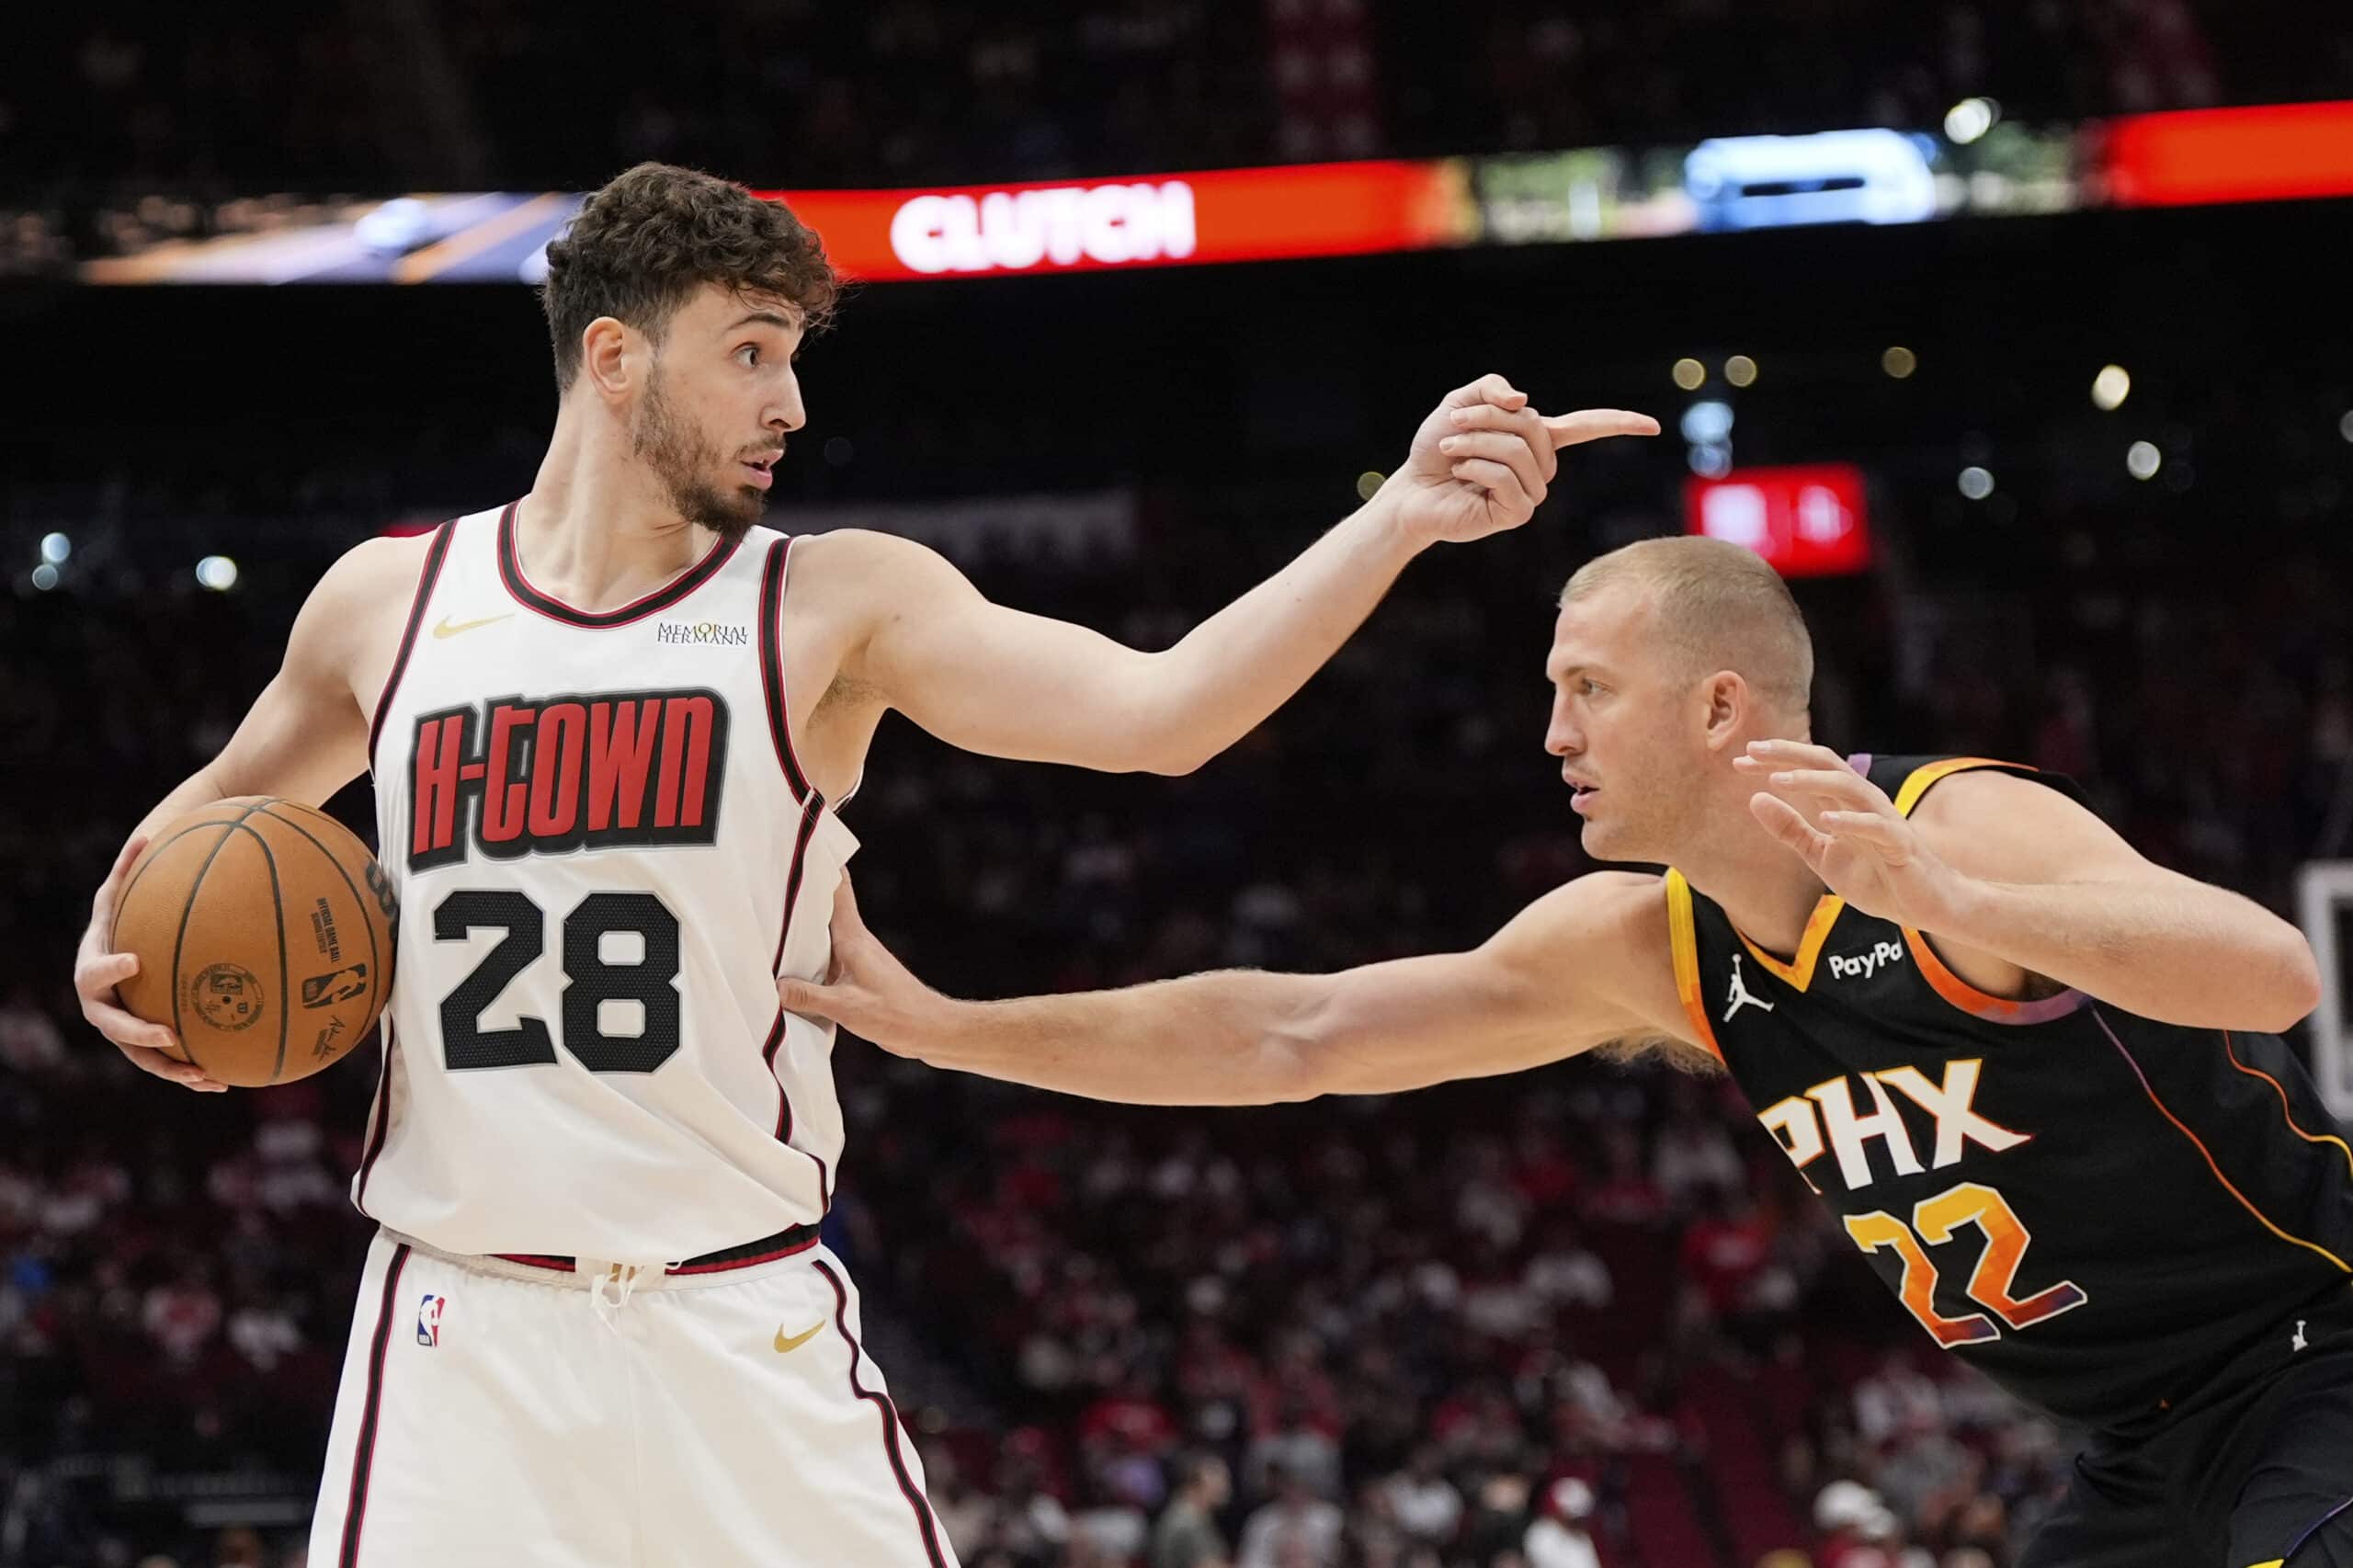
[684, 463]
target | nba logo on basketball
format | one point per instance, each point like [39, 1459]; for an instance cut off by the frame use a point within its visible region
[428, 1319]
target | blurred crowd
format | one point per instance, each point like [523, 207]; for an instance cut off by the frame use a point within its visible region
[1583, 1318]
[1586, 1316]
[373, 100]
[1589, 1321]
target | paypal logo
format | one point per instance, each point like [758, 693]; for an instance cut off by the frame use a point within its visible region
[1864, 964]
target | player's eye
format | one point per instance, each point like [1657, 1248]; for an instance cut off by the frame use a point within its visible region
[749, 353]
[1588, 687]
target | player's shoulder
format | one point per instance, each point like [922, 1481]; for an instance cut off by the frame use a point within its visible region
[1972, 797]
[1621, 915]
[1631, 898]
[860, 575]
[373, 578]
[1624, 894]
[866, 552]
[2018, 825]
[1629, 912]
[374, 567]
[356, 603]
[1602, 938]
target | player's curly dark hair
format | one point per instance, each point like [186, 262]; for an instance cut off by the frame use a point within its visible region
[655, 233]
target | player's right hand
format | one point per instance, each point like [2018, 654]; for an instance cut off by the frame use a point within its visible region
[97, 972]
[868, 992]
[1484, 460]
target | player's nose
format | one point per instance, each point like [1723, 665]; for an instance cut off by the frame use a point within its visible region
[788, 412]
[1561, 736]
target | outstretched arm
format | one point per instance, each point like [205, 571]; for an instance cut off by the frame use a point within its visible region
[1586, 964]
[1994, 866]
[994, 680]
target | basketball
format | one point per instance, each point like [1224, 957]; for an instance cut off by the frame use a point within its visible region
[264, 931]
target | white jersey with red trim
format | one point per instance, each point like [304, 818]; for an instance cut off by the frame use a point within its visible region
[605, 853]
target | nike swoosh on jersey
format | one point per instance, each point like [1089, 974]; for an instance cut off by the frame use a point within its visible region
[798, 1340]
[444, 628]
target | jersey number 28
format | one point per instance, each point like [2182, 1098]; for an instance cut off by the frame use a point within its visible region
[590, 980]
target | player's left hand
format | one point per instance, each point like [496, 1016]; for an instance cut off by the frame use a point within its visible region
[1845, 828]
[1483, 461]
[868, 991]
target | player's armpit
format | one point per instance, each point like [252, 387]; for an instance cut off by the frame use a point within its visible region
[1587, 966]
[1679, 1055]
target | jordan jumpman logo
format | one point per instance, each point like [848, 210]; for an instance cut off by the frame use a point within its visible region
[1741, 996]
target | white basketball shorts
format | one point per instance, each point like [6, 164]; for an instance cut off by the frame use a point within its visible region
[591, 1415]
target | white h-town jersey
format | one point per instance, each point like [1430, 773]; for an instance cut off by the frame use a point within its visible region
[604, 852]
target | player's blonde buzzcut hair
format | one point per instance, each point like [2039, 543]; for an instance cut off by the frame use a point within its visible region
[1719, 606]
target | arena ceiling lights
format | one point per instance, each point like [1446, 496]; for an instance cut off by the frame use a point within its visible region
[1723, 184]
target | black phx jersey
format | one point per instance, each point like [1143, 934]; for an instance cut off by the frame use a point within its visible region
[2094, 1209]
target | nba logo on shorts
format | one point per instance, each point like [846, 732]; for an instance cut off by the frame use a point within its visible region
[428, 1319]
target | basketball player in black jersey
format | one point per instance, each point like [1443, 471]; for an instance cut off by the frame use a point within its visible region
[2036, 1076]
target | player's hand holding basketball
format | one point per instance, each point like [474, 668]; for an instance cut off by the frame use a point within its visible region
[1483, 461]
[97, 973]
[1844, 827]
[868, 992]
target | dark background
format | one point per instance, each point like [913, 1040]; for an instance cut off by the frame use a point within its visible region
[1396, 1300]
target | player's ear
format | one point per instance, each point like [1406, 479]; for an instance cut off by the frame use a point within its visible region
[609, 358]
[1727, 705]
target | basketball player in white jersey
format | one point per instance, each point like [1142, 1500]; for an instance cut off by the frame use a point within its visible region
[606, 724]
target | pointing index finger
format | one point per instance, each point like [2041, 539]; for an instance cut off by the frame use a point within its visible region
[1595, 424]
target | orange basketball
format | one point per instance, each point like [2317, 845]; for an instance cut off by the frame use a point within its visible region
[264, 931]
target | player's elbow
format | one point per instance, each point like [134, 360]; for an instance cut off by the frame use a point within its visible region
[2290, 984]
[1287, 1075]
[1299, 1057]
[1175, 721]
[1333, 1048]
[2274, 985]
[2299, 990]
[1171, 760]
[1171, 743]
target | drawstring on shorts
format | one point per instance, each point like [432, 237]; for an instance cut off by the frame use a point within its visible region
[622, 1280]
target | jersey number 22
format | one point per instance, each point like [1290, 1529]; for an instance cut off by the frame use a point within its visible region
[1992, 1283]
